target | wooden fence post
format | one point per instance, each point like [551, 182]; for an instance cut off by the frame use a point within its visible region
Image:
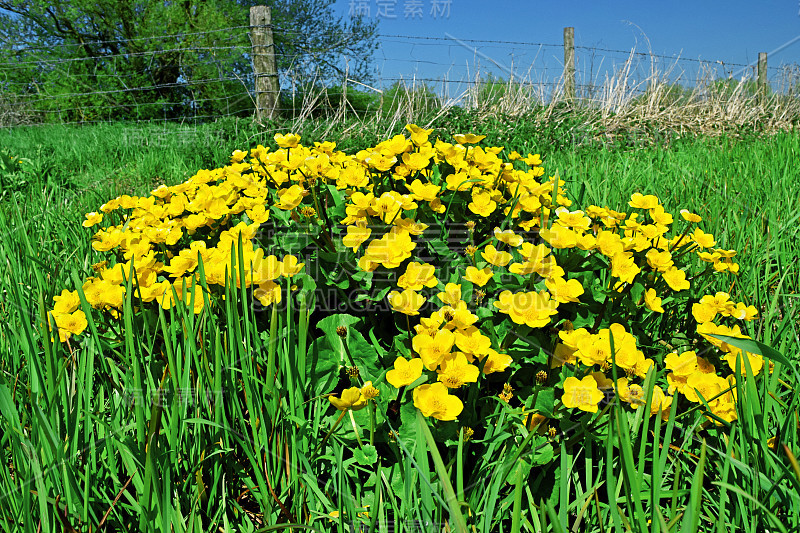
[762, 77]
[265, 70]
[569, 63]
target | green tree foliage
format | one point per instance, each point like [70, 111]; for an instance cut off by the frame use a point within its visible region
[90, 60]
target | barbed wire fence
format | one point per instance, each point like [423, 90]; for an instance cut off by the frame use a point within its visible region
[204, 76]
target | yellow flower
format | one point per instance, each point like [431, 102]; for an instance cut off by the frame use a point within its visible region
[368, 391]
[264, 268]
[433, 349]
[559, 236]
[356, 235]
[268, 293]
[640, 201]
[405, 372]
[418, 135]
[743, 312]
[105, 240]
[290, 267]
[351, 398]
[417, 276]
[564, 290]
[623, 266]
[482, 203]
[659, 261]
[458, 317]
[472, 342]
[533, 160]
[426, 192]
[706, 385]
[70, 324]
[451, 295]
[653, 302]
[703, 239]
[407, 302]
[434, 400]
[496, 362]
[531, 308]
[416, 161]
[102, 293]
[290, 198]
[92, 219]
[290, 140]
[455, 371]
[495, 257]
[583, 394]
[508, 236]
[478, 277]
[572, 219]
[660, 216]
[238, 156]
[690, 217]
[468, 138]
[630, 393]
[380, 162]
[258, 213]
[755, 360]
[66, 303]
[676, 279]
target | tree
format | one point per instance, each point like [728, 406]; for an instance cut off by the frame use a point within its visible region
[144, 59]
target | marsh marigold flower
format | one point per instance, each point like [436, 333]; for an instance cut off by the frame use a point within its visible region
[652, 301]
[351, 398]
[468, 138]
[92, 219]
[690, 217]
[368, 391]
[71, 324]
[508, 237]
[496, 362]
[497, 258]
[434, 400]
[455, 371]
[405, 372]
[417, 276]
[451, 294]
[433, 349]
[641, 201]
[478, 277]
[582, 394]
[289, 140]
[407, 302]
[676, 279]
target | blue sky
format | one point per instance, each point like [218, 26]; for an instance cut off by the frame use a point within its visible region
[734, 32]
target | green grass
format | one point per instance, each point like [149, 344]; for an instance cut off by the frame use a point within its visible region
[194, 433]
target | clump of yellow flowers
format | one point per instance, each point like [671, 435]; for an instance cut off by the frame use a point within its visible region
[486, 263]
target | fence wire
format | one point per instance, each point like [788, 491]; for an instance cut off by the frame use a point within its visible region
[201, 76]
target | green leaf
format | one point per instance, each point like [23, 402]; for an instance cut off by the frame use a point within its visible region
[376, 298]
[441, 248]
[329, 324]
[322, 366]
[367, 455]
[542, 451]
[756, 347]
[545, 401]
[520, 469]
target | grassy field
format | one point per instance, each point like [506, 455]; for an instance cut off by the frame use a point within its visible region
[89, 442]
